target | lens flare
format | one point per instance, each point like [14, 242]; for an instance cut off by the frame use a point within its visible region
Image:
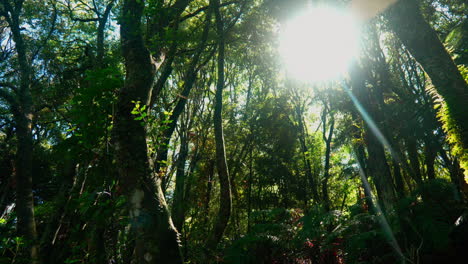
[319, 44]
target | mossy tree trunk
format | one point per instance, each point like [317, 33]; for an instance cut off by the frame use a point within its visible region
[155, 238]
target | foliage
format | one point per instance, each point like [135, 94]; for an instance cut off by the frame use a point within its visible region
[274, 130]
[270, 239]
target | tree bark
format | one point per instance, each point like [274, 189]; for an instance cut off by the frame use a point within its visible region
[423, 43]
[377, 165]
[429, 159]
[303, 142]
[414, 160]
[209, 171]
[249, 191]
[102, 21]
[26, 226]
[379, 76]
[23, 116]
[327, 139]
[399, 184]
[156, 239]
[379, 170]
[178, 207]
[221, 163]
[456, 174]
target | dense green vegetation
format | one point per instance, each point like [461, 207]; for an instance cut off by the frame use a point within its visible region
[156, 131]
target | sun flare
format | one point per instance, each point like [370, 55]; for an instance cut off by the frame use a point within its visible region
[318, 44]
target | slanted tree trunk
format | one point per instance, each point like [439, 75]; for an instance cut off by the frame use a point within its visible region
[191, 76]
[423, 43]
[156, 239]
[221, 163]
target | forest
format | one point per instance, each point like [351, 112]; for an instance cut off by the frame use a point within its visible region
[233, 131]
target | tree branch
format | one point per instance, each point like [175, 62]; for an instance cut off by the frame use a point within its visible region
[8, 97]
[96, 10]
[94, 19]
[202, 9]
[73, 18]
[49, 34]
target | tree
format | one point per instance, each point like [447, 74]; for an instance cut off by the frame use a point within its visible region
[377, 164]
[327, 139]
[156, 239]
[221, 163]
[422, 41]
[20, 101]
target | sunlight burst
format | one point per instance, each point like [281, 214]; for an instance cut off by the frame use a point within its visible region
[319, 44]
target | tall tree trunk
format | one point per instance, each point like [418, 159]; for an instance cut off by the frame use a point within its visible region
[249, 190]
[305, 150]
[26, 225]
[23, 116]
[400, 187]
[210, 166]
[379, 169]
[377, 165]
[102, 21]
[423, 43]
[429, 158]
[360, 154]
[327, 139]
[414, 160]
[221, 163]
[379, 75]
[178, 207]
[456, 175]
[156, 239]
